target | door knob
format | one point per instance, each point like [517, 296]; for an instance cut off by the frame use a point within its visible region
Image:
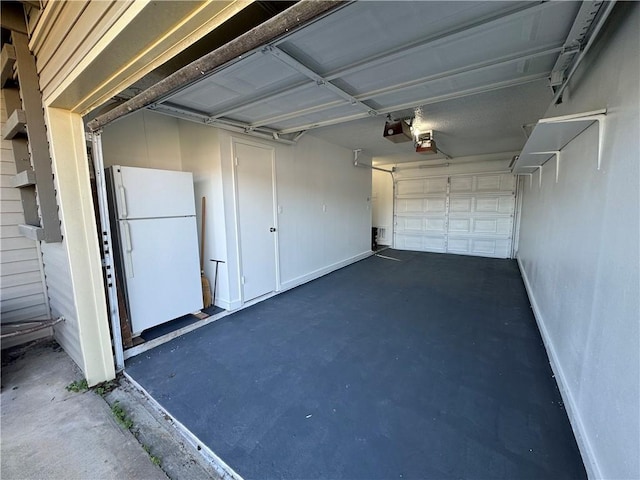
[272, 229]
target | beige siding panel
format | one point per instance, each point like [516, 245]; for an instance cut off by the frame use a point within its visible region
[58, 277]
[13, 268]
[10, 193]
[22, 291]
[22, 302]
[7, 167]
[89, 52]
[9, 231]
[18, 279]
[6, 144]
[8, 293]
[62, 27]
[46, 21]
[5, 181]
[12, 206]
[39, 312]
[11, 256]
[16, 243]
[7, 219]
[92, 23]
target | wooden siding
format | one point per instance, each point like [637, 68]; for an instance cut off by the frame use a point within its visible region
[67, 33]
[61, 301]
[87, 52]
[22, 288]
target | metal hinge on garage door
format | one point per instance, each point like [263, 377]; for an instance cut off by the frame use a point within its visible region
[27, 131]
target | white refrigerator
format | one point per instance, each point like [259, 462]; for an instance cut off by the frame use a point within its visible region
[157, 243]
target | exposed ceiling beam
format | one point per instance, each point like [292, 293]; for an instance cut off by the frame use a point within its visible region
[377, 59]
[424, 101]
[318, 79]
[474, 68]
[283, 92]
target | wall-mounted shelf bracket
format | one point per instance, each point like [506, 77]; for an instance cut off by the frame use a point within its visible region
[530, 175]
[540, 176]
[555, 153]
[551, 135]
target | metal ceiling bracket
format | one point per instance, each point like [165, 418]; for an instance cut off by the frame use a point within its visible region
[320, 80]
[583, 21]
[423, 101]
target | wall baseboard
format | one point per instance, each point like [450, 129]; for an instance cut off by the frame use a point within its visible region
[322, 271]
[586, 451]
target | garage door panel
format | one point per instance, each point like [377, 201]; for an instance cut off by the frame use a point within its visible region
[484, 247]
[421, 206]
[420, 225]
[422, 186]
[495, 204]
[482, 183]
[474, 216]
[492, 226]
[462, 184]
[496, 226]
[460, 225]
[435, 205]
[410, 205]
[461, 204]
[422, 243]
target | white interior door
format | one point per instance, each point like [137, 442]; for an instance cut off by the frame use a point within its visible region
[256, 219]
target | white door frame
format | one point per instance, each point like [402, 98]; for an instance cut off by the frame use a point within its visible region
[236, 206]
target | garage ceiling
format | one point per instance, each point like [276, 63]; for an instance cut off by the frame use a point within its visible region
[474, 72]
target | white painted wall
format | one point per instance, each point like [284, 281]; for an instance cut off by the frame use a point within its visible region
[200, 152]
[579, 252]
[144, 139]
[325, 218]
[324, 200]
[382, 205]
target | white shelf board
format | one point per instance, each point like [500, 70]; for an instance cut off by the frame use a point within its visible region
[551, 135]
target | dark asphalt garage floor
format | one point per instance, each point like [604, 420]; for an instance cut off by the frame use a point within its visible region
[428, 367]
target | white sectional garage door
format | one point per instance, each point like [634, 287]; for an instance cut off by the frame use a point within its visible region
[464, 214]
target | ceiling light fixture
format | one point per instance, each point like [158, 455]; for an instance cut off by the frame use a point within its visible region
[425, 144]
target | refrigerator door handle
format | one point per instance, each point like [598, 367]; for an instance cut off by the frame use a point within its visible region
[128, 247]
[123, 201]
